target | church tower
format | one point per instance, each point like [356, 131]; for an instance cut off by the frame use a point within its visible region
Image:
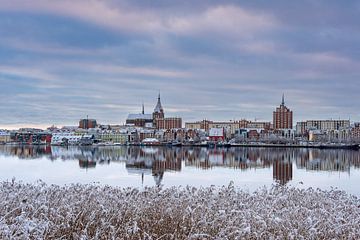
[158, 112]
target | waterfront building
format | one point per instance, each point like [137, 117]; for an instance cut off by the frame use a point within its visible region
[204, 124]
[230, 126]
[301, 129]
[317, 136]
[5, 137]
[355, 131]
[146, 133]
[168, 123]
[327, 125]
[29, 137]
[87, 123]
[282, 117]
[114, 137]
[179, 134]
[66, 138]
[216, 134]
[341, 135]
[253, 134]
[259, 125]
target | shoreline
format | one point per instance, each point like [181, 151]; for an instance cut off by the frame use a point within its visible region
[209, 146]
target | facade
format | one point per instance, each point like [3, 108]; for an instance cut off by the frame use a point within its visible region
[230, 126]
[204, 124]
[114, 137]
[301, 128]
[140, 120]
[355, 131]
[259, 125]
[87, 123]
[29, 137]
[216, 134]
[282, 117]
[65, 138]
[168, 123]
[327, 125]
[4, 137]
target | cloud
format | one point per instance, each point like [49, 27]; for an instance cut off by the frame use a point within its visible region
[228, 19]
[46, 48]
[225, 19]
[219, 60]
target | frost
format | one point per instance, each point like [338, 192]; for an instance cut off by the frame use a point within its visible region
[40, 211]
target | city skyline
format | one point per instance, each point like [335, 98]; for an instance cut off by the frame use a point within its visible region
[139, 118]
[63, 60]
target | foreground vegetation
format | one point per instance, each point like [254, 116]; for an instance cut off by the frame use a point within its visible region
[38, 211]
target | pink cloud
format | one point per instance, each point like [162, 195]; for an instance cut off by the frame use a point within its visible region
[232, 20]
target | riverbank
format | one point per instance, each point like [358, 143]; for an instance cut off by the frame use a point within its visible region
[255, 145]
[102, 212]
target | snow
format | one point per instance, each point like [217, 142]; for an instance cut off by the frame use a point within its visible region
[37, 211]
[140, 116]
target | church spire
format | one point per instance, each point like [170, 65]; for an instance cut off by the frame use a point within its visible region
[158, 107]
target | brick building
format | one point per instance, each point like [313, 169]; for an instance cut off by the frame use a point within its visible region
[161, 122]
[87, 123]
[282, 117]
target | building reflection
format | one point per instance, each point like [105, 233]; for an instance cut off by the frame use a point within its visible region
[282, 171]
[156, 161]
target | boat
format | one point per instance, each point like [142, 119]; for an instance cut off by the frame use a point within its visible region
[176, 144]
[223, 144]
[340, 146]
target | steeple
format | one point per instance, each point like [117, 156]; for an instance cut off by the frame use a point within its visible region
[283, 100]
[158, 107]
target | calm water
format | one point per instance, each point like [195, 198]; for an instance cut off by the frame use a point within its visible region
[248, 168]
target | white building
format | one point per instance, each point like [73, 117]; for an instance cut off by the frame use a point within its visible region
[66, 137]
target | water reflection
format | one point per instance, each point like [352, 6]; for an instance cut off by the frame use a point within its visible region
[156, 161]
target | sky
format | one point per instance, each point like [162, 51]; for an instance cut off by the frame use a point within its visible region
[221, 60]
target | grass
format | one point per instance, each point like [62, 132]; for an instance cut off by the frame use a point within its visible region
[40, 211]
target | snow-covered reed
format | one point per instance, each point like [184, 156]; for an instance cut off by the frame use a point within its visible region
[40, 211]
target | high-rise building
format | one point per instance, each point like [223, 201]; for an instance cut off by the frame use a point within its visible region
[283, 117]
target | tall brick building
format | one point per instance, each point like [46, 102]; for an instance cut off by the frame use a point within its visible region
[283, 117]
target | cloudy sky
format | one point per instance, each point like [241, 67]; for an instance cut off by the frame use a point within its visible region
[221, 60]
